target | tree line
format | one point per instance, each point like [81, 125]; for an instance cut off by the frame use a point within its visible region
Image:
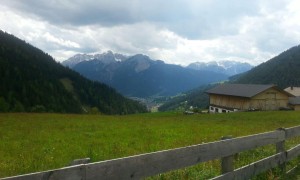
[32, 81]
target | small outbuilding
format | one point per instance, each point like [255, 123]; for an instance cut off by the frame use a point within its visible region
[247, 97]
[294, 103]
[293, 90]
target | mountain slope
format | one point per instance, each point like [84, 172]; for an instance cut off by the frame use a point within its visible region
[32, 81]
[226, 67]
[195, 98]
[140, 76]
[282, 70]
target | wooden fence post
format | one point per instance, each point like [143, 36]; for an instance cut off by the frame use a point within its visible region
[280, 148]
[227, 162]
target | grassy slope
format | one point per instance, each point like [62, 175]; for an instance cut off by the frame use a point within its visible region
[35, 142]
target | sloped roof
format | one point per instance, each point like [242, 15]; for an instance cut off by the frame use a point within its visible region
[241, 90]
[293, 90]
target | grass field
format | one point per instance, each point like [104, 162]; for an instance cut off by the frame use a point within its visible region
[36, 142]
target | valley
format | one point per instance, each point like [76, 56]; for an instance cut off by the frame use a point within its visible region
[142, 77]
[155, 90]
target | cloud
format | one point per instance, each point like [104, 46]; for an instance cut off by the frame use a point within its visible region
[76, 12]
[59, 41]
[176, 31]
[193, 19]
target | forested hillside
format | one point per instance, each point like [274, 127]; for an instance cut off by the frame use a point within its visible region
[140, 76]
[282, 70]
[196, 98]
[31, 81]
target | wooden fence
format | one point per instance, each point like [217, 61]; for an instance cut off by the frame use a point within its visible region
[144, 165]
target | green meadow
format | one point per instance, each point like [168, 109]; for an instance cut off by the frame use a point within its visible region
[37, 142]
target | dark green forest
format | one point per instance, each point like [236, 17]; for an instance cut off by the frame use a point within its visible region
[282, 70]
[32, 81]
[196, 98]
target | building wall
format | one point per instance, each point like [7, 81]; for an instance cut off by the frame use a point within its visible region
[230, 102]
[296, 107]
[217, 109]
[271, 99]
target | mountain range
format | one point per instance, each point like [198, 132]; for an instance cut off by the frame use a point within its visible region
[229, 68]
[106, 58]
[282, 70]
[32, 81]
[140, 76]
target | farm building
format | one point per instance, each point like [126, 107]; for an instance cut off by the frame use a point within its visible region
[294, 103]
[293, 90]
[243, 97]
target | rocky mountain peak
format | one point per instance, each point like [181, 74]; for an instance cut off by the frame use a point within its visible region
[227, 67]
[106, 58]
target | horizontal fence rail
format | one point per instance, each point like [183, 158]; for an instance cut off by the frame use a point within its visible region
[144, 165]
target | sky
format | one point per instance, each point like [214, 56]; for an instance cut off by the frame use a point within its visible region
[175, 31]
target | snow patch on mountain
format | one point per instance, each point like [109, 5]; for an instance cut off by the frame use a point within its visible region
[106, 58]
[226, 67]
[142, 62]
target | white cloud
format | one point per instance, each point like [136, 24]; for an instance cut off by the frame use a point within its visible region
[175, 31]
[59, 41]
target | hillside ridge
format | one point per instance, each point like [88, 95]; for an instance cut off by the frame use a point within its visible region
[141, 76]
[32, 81]
[281, 70]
